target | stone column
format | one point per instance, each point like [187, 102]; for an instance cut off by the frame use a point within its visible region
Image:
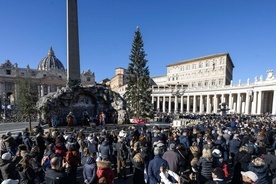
[194, 104]
[230, 105]
[247, 103]
[42, 90]
[259, 108]
[73, 58]
[181, 104]
[158, 103]
[164, 104]
[39, 90]
[175, 104]
[222, 98]
[254, 103]
[188, 103]
[49, 89]
[170, 104]
[208, 105]
[201, 103]
[238, 103]
[215, 103]
[274, 103]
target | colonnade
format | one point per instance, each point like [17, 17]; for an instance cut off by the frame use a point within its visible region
[44, 89]
[237, 101]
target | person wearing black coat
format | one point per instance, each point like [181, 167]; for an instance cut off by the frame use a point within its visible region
[27, 141]
[243, 157]
[234, 146]
[7, 167]
[138, 162]
[261, 169]
[27, 173]
[121, 152]
[205, 165]
[56, 175]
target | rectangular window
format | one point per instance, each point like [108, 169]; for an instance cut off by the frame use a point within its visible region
[8, 72]
[22, 74]
[9, 86]
[88, 79]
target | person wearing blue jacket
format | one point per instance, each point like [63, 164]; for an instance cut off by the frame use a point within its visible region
[154, 166]
[183, 139]
[90, 171]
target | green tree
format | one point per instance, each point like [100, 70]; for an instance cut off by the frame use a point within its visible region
[27, 98]
[138, 91]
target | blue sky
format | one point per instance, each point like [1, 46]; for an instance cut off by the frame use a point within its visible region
[172, 31]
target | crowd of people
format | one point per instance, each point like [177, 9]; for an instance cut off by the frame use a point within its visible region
[216, 150]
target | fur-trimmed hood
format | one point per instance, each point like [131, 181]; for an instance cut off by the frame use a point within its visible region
[104, 164]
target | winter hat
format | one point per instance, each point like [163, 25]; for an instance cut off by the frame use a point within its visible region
[10, 181]
[122, 133]
[250, 175]
[216, 153]
[219, 172]
[172, 146]
[6, 156]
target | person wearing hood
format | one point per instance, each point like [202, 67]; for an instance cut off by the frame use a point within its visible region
[90, 170]
[155, 164]
[7, 167]
[105, 173]
[261, 169]
[105, 149]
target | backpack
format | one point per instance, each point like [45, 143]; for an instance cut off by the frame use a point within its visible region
[45, 162]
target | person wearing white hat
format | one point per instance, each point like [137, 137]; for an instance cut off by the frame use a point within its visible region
[249, 177]
[7, 167]
[10, 181]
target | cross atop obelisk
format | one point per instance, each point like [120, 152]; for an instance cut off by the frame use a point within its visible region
[73, 55]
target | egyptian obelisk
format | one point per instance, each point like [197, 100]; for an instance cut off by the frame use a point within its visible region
[73, 56]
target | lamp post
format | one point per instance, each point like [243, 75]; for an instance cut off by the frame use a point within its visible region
[177, 91]
[4, 104]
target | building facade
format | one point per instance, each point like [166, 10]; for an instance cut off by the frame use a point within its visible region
[202, 84]
[49, 76]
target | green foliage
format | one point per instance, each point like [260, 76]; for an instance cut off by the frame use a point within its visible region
[138, 91]
[27, 97]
